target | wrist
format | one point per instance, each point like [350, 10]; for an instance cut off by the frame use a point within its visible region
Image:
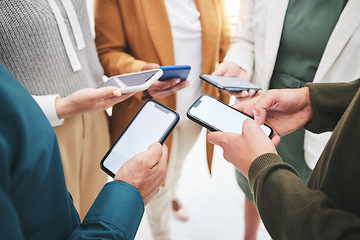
[308, 105]
[61, 107]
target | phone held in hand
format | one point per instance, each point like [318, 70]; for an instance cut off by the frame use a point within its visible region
[152, 123]
[134, 82]
[234, 84]
[218, 116]
[175, 71]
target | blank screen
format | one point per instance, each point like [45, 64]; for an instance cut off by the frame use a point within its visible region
[220, 116]
[150, 125]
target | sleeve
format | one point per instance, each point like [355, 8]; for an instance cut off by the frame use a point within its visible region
[225, 32]
[291, 210]
[9, 218]
[47, 105]
[111, 40]
[115, 214]
[241, 51]
[329, 102]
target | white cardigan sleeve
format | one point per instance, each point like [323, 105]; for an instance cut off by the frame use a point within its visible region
[241, 51]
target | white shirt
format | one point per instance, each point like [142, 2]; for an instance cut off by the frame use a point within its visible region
[47, 105]
[187, 42]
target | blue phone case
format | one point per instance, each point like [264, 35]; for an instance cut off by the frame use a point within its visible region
[175, 71]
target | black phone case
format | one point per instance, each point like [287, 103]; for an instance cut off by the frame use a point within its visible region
[221, 87]
[209, 126]
[161, 141]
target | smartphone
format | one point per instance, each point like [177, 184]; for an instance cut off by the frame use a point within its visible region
[152, 123]
[175, 71]
[218, 116]
[134, 82]
[234, 84]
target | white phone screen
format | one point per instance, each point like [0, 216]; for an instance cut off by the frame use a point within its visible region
[220, 116]
[152, 124]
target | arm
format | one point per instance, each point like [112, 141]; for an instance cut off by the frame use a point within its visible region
[111, 40]
[329, 102]
[225, 32]
[82, 101]
[118, 209]
[290, 210]
[240, 56]
[241, 51]
[115, 214]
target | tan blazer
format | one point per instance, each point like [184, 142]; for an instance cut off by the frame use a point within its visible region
[131, 33]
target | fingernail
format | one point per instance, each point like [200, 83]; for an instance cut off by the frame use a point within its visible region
[244, 94]
[117, 93]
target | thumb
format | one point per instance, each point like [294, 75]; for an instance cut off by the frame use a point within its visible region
[214, 137]
[107, 92]
[276, 140]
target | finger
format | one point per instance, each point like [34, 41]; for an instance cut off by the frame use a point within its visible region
[219, 71]
[251, 92]
[162, 85]
[276, 140]
[150, 66]
[107, 92]
[153, 154]
[233, 93]
[213, 137]
[164, 158]
[250, 125]
[220, 138]
[178, 87]
[169, 91]
[261, 106]
[245, 107]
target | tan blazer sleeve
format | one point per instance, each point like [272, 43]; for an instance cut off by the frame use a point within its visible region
[111, 40]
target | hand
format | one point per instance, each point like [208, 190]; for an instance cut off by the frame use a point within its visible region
[146, 171]
[245, 95]
[231, 69]
[150, 66]
[284, 110]
[242, 149]
[89, 100]
[161, 89]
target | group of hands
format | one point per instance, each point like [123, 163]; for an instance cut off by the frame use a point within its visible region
[283, 110]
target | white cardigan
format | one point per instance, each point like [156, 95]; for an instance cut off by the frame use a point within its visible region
[257, 42]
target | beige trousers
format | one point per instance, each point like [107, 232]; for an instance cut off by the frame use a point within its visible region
[159, 208]
[83, 141]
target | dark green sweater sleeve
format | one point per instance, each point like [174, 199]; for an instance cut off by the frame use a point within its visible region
[329, 102]
[291, 210]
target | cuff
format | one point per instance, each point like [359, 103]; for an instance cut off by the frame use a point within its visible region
[119, 204]
[47, 105]
[261, 163]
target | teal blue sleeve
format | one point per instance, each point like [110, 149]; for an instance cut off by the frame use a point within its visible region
[115, 214]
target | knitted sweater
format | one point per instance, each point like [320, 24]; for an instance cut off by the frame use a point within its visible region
[39, 44]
